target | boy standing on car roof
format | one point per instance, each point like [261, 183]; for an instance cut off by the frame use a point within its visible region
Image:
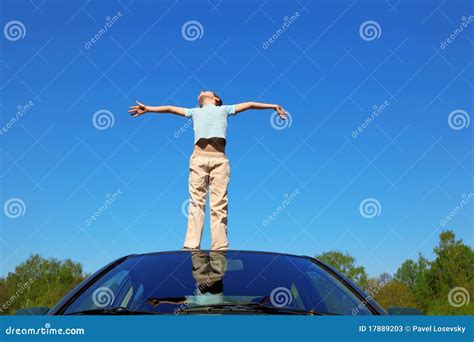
[208, 165]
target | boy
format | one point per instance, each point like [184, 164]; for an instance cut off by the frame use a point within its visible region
[208, 165]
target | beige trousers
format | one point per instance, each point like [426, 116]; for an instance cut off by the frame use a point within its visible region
[208, 170]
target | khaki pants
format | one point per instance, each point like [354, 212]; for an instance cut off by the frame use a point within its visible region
[208, 170]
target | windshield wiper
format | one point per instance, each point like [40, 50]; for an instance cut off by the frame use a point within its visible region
[247, 307]
[113, 311]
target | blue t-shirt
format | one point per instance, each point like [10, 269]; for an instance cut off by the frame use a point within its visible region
[210, 121]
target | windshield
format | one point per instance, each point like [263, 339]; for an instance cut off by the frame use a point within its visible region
[177, 282]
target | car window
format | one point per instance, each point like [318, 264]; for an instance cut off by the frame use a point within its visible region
[334, 295]
[172, 282]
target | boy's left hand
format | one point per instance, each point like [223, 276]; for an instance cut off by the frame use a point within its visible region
[281, 112]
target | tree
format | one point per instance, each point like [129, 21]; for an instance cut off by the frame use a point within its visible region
[3, 295]
[412, 272]
[452, 269]
[414, 275]
[431, 282]
[453, 266]
[443, 286]
[375, 284]
[346, 264]
[39, 282]
[395, 293]
[384, 278]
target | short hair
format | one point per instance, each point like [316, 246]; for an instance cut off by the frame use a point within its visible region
[218, 99]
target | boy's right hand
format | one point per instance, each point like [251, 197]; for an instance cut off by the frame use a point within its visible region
[137, 110]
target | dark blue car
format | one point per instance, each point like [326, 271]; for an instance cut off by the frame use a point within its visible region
[213, 282]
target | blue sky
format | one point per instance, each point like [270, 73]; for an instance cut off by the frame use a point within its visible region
[322, 67]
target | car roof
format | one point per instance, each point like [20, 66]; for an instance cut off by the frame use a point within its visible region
[226, 251]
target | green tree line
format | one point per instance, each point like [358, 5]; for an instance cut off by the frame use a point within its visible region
[38, 282]
[438, 287]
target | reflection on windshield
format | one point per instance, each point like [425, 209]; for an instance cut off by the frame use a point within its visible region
[175, 282]
[208, 271]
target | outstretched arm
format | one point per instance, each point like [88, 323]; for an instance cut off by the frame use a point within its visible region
[141, 109]
[258, 105]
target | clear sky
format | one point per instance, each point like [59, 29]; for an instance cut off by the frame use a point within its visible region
[300, 187]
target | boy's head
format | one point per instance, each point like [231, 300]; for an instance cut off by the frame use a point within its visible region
[209, 97]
